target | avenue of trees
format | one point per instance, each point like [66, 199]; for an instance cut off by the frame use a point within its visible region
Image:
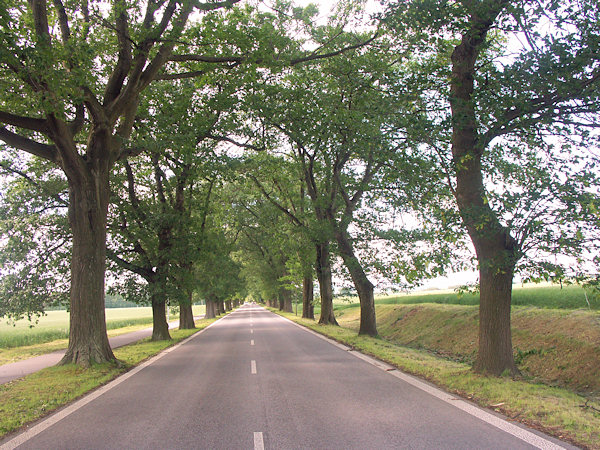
[217, 150]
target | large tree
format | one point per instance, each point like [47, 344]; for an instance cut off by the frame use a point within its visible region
[511, 90]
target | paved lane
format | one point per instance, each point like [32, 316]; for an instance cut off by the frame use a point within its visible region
[254, 380]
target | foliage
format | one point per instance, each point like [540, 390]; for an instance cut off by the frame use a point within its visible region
[35, 249]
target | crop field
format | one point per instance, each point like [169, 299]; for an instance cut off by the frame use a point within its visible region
[55, 325]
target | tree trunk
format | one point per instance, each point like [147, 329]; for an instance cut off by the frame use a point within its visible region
[325, 284]
[281, 301]
[160, 326]
[220, 307]
[286, 301]
[495, 354]
[228, 305]
[308, 309]
[186, 315]
[364, 287]
[210, 309]
[497, 251]
[88, 209]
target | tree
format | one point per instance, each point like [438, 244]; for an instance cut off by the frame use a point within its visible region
[515, 189]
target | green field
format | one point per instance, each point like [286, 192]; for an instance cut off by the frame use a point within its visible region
[552, 297]
[55, 325]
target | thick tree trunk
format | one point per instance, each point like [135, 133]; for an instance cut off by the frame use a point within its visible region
[308, 309]
[186, 315]
[281, 301]
[160, 326]
[497, 251]
[325, 284]
[495, 354]
[211, 312]
[88, 209]
[285, 302]
[228, 305]
[364, 287]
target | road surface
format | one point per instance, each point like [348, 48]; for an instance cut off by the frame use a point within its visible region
[254, 380]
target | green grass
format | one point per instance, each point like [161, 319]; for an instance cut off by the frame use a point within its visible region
[36, 395]
[554, 346]
[551, 297]
[55, 325]
[556, 411]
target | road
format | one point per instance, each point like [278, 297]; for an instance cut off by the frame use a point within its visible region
[254, 380]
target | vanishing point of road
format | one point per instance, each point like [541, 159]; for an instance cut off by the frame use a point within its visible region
[254, 380]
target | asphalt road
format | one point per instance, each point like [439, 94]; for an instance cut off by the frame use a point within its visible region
[254, 380]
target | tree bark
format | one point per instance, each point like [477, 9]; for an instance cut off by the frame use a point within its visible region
[497, 251]
[88, 209]
[160, 326]
[308, 309]
[285, 303]
[495, 354]
[325, 284]
[220, 307]
[228, 305]
[210, 309]
[364, 287]
[186, 315]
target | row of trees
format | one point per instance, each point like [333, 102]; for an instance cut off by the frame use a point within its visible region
[223, 158]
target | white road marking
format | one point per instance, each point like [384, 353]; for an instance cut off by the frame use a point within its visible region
[481, 414]
[251, 331]
[253, 367]
[258, 441]
[54, 418]
[251, 341]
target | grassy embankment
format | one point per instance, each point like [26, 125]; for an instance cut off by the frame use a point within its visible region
[25, 339]
[557, 349]
[38, 394]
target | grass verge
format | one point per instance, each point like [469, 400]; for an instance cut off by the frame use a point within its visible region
[15, 354]
[555, 411]
[36, 395]
[54, 325]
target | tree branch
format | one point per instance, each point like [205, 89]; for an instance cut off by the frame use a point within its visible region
[115, 83]
[29, 123]
[34, 183]
[45, 151]
[215, 5]
[313, 56]
[144, 272]
[63, 21]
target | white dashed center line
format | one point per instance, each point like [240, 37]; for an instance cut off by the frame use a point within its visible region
[252, 342]
[258, 441]
[253, 367]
